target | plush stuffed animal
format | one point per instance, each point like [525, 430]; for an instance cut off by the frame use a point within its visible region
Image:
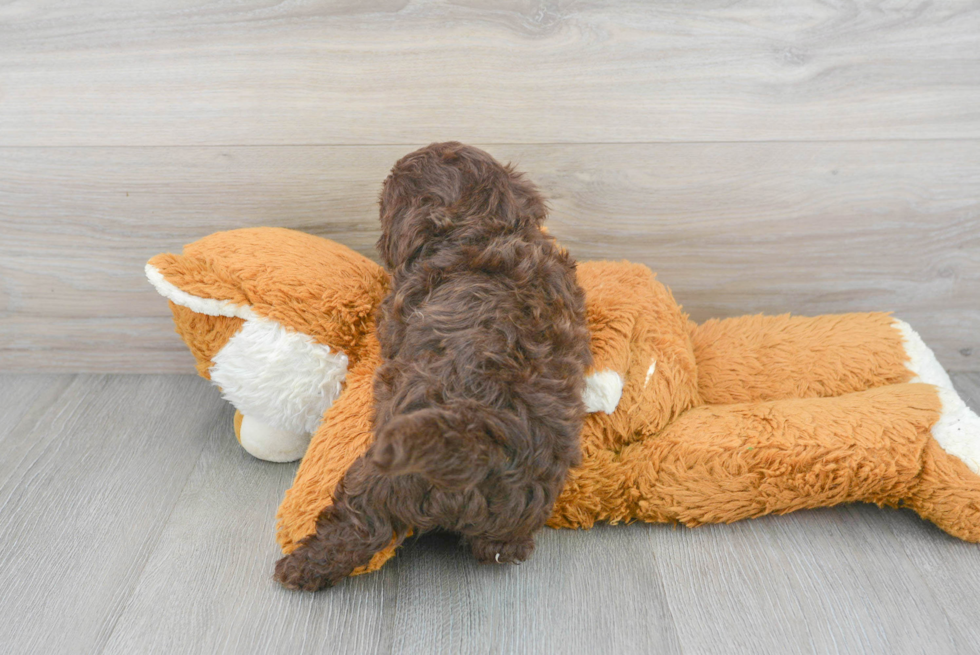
[688, 423]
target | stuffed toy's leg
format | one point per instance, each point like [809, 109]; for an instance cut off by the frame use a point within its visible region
[755, 358]
[342, 438]
[725, 463]
[349, 532]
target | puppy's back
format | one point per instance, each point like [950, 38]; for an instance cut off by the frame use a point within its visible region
[486, 344]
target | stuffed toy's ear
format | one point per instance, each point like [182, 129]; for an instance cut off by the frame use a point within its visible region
[309, 284]
[196, 284]
[205, 322]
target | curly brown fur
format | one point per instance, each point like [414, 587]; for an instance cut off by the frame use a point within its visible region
[478, 402]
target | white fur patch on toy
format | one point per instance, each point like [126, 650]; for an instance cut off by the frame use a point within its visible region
[603, 390]
[272, 444]
[280, 377]
[958, 428]
[208, 306]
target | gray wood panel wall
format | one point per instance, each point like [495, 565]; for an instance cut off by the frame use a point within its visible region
[812, 157]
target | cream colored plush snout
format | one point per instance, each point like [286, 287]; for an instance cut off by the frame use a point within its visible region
[268, 443]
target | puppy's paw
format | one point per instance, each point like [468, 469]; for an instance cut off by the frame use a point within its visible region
[297, 572]
[512, 551]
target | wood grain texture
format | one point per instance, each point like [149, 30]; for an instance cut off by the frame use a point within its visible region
[570, 597]
[810, 157]
[208, 588]
[216, 72]
[829, 580]
[24, 399]
[732, 228]
[111, 543]
[84, 494]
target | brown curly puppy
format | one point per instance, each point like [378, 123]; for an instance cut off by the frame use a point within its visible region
[479, 399]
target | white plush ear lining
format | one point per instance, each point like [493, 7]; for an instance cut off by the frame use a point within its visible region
[272, 444]
[208, 306]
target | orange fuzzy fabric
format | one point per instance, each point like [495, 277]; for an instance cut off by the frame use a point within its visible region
[305, 283]
[737, 418]
[752, 358]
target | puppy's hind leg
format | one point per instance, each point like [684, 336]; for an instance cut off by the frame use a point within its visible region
[513, 550]
[448, 449]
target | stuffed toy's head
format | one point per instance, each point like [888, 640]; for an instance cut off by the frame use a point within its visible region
[275, 318]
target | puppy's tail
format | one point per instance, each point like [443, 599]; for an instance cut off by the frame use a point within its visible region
[441, 446]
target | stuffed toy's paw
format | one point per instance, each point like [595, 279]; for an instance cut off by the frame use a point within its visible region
[269, 443]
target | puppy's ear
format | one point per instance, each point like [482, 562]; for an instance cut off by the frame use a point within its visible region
[393, 205]
[530, 205]
[409, 220]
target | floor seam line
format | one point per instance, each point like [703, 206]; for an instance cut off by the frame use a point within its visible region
[152, 549]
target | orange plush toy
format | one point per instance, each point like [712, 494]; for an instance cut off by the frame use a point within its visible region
[688, 423]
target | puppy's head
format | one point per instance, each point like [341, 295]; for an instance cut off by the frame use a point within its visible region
[451, 188]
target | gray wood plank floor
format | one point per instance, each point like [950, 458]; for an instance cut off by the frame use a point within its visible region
[132, 522]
